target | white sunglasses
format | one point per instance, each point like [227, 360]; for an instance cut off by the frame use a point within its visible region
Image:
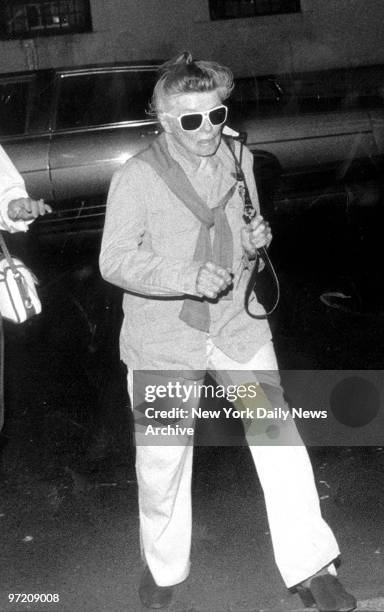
[191, 122]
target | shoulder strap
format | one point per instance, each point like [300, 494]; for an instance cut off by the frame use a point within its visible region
[249, 210]
[249, 213]
[7, 255]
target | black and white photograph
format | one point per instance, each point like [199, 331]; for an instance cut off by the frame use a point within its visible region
[191, 305]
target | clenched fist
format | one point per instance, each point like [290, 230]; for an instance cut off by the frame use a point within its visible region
[256, 235]
[212, 280]
[25, 209]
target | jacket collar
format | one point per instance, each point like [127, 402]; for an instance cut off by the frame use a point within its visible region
[221, 162]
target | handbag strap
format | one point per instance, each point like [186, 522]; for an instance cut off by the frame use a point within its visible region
[263, 255]
[249, 213]
[7, 255]
[16, 274]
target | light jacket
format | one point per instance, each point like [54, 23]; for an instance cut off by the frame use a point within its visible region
[12, 187]
[148, 250]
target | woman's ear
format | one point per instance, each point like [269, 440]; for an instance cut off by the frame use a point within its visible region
[165, 122]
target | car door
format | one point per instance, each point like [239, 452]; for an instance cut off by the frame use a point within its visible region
[100, 121]
[24, 128]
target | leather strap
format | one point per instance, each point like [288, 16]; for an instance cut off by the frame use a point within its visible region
[252, 283]
[261, 253]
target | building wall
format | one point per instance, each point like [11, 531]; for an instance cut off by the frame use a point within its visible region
[327, 33]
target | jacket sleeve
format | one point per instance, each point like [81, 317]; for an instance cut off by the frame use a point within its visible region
[126, 258]
[12, 187]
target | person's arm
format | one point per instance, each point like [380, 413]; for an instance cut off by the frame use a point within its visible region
[17, 209]
[124, 261]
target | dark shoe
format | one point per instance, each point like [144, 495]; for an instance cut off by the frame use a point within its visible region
[327, 594]
[151, 595]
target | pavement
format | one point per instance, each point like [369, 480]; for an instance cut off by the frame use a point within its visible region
[68, 509]
[75, 534]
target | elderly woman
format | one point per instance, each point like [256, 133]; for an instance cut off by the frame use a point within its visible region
[176, 242]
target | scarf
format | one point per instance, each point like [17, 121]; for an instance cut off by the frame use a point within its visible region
[195, 311]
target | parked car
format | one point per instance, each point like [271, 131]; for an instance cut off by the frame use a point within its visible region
[326, 128]
[68, 130]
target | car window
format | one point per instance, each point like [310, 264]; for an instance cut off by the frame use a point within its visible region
[14, 106]
[261, 96]
[331, 90]
[109, 97]
[339, 89]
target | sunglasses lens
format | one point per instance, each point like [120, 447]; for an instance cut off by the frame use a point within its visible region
[191, 122]
[218, 116]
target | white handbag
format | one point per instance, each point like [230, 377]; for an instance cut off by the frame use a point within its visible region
[18, 296]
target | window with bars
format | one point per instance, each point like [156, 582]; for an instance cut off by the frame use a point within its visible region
[232, 9]
[31, 18]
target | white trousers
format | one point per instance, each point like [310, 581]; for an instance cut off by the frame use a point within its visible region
[302, 541]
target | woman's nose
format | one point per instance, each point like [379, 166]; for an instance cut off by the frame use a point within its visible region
[206, 125]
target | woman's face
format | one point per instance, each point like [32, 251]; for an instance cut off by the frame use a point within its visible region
[202, 142]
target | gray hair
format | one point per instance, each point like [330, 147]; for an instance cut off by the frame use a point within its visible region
[183, 74]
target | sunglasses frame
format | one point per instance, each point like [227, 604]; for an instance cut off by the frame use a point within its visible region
[203, 115]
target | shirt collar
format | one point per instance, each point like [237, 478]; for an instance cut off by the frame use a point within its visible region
[222, 159]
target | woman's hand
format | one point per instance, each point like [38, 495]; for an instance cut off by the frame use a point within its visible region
[212, 280]
[256, 235]
[26, 208]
